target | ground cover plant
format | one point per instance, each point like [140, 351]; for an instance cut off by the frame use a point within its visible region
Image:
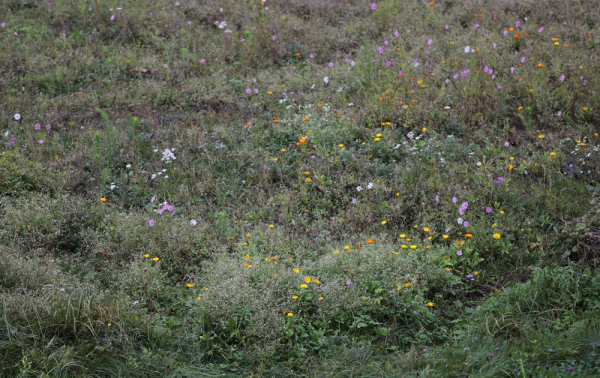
[299, 188]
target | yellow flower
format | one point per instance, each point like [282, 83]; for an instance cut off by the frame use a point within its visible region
[520, 108]
[553, 153]
[103, 199]
[347, 247]
[296, 270]
[269, 92]
[271, 226]
[199, 298]
[146, 255]
[496, 236]
[475, 272]
[445, 236]
[307, 279]
[402, 236]
[448, 269]
[247, 235]
[510, 167]
[426, 229]
[247, 256]
[377, 139]
[585, 108]
[307, 172]
[542, 136]
[320, 298]
[341, 145]
[408, 239]
[190, 285]
[295, 297]
[403, 246]
[501, 211]
[336, 252]
[307, 180]
[275, 159]
[290, 314]
[407, 284]
[413, 247]
[283, 150]
[399, 288]
[424, 130]
[383, 222]
[304, 286]
[494, 225]
[156, 259]
[429, 304]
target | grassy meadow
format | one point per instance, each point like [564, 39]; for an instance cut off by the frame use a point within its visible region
[299, 188]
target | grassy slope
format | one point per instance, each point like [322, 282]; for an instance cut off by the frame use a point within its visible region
[130, 286]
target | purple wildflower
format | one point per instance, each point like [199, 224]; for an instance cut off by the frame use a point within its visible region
[151, 222]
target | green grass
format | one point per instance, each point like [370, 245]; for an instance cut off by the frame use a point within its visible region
[163, 223]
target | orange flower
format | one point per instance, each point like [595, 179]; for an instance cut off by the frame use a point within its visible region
[469, 235]
[369, 241]
[381, 99]
[339, 116]
[431, 3]
[297, 54]
[275, 121]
